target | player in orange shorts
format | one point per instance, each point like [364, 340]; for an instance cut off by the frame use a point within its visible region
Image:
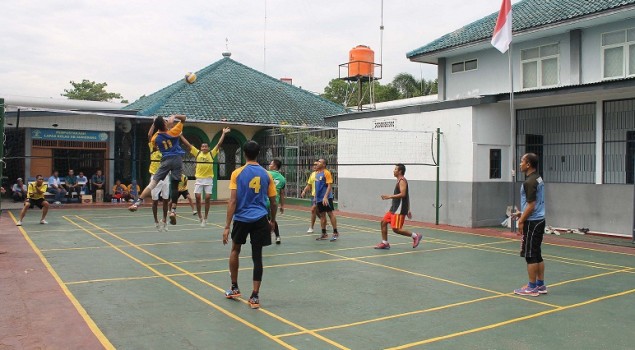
[399, 209]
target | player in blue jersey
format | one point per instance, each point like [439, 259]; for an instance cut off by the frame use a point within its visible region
[250, 185]
[531, 224]
[167, 140]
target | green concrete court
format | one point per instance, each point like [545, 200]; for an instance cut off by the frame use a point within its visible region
[149, 290]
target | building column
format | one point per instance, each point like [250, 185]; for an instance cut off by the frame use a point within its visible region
[441, 79]
[28, 144]
[599, 138]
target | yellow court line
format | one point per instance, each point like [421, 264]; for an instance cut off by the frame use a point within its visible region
[188, 291]
[446, 281]
[329, 341]
[80, 309]
[514, 320]
[482, 235]
[76, 248]
[390, 317]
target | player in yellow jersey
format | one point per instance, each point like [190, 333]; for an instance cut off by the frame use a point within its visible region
[35, 196]
[204, 173]
[310, 185]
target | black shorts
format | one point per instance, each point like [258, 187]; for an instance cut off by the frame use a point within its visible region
[532, 238]
[36, 202]
[259, 230]
[185, 194]
[325, 208]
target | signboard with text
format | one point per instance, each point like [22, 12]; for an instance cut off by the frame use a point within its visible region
[69, 135]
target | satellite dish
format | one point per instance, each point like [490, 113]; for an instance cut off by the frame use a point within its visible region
[125, 125]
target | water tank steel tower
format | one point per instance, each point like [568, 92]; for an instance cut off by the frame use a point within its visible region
[360, 69]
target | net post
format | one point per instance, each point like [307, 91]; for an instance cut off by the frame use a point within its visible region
[436, 205]
[633, 232]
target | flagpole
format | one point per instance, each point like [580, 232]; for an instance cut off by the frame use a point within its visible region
[512, 134]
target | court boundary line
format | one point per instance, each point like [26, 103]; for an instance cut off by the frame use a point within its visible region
[101, 337]
[510, 321]
[228, 313]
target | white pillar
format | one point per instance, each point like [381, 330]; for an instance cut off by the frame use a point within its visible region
[599, 133]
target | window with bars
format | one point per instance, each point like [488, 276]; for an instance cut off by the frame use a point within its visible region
[540, 66]
[618, 54]
[619, 142]
[495, 163]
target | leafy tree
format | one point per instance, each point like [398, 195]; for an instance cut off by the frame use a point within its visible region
[90, 90]
[408, 86]
[336, 91]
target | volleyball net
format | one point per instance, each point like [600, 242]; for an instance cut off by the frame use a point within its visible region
[51, 139]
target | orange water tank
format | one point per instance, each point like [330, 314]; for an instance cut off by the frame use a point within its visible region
[361, 62]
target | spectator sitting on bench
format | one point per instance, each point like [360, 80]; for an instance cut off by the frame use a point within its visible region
[83, 182]
[70, 183]
[18, 191]
[55, 187]
[132, 191]
[97, 181]
[120, 191]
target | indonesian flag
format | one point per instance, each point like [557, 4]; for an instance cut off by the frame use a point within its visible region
[503, 30]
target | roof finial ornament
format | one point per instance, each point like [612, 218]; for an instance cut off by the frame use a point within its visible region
[227, 54]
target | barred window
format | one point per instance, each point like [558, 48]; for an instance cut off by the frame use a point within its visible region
[619, 142]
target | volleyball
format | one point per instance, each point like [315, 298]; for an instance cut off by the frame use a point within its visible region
[190, 78]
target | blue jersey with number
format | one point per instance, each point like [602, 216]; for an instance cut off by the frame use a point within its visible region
[253, 184]
[169, 143]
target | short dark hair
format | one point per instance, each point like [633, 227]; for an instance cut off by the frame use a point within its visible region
[532, 159]
[38, 176]
[324, 160]
[278, 163]
[159, 124]
[251, 149]
[401, 168]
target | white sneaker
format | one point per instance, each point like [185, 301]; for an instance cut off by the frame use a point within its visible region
[158, 226]
[57, 202]
[164, 225]
[310, 230]
[19, 223]
[43, 222]
[202, 223]
[194, 212]
[278, 240]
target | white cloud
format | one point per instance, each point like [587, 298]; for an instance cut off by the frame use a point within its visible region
[139, 47]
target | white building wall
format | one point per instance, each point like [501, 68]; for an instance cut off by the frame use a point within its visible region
[456, 146]
[592, 49]
[492, 75]
[492, 128]
[73, 122]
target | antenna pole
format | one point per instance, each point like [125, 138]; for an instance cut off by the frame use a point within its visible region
[381, 35]
[264, 49]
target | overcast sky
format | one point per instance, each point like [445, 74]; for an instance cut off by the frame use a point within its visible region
[140, 46]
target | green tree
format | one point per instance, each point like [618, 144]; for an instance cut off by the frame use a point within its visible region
[336, 91]
[408, 86]
[90, 90]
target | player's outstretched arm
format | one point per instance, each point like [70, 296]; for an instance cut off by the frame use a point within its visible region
[222, 138]
[186, 144]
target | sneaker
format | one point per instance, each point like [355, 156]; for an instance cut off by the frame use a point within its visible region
[164, 226]
[173, 218]
[542, 289]
[202, 222]
[254, 302]
[158, 226]
[417, 240]
[18, 223]
[310, 230]
[194, 212]
[133, 207]
[322, 237]
[335, 237]
[525, 290]
[232, 293]
[382, 245]
[277, 239]
[43, 222]
[57, 202]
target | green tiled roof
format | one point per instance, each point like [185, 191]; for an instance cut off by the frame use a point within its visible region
[230, 91]
[527, 14]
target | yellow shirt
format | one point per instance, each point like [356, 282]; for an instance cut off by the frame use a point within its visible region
[311, 181]
[204, 165]
[36, 192]
[130, 189]
[155, 159]
[183, 183]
